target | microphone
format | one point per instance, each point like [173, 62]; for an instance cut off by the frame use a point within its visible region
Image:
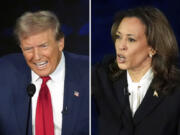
[65, 110]
[31, 89]
[126, 92]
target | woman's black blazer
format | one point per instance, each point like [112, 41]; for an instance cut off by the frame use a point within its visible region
[158, 114]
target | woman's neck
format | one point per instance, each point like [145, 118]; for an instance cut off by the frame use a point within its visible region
[136, 75]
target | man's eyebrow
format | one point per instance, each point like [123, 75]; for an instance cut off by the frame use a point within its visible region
[43, 44]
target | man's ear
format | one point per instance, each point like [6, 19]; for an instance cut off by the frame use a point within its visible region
[61, 44]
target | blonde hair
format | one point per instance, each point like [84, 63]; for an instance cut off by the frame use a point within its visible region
[34, 22]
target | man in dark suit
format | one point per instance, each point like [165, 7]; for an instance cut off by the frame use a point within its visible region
[60, 105]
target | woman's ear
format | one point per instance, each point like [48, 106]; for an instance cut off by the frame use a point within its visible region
[152, 52]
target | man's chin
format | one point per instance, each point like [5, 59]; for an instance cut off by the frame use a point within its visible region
[42, 73]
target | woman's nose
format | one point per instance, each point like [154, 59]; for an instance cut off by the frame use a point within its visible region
[122, 45]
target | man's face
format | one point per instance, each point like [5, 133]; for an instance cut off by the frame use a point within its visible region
[42, 52]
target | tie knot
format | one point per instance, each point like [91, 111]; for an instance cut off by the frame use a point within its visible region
[45, 79]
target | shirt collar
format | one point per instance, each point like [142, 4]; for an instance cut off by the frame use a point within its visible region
[146, 78]
[55, 75]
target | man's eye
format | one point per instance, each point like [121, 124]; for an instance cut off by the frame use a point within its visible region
[44, 45]
[27, 49]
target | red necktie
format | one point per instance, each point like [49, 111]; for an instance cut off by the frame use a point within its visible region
[44, 116]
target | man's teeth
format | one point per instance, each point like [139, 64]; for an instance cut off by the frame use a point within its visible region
[41, 64]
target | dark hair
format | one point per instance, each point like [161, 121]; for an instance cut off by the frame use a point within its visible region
[161, 38]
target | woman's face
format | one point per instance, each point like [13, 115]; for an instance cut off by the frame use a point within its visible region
[132, 49]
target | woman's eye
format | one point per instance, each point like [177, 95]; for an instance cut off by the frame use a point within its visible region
[131, 40]
[117, 36]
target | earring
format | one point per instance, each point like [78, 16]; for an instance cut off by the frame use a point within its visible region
[150, 55]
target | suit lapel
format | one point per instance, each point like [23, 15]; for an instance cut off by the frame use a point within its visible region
[120, 88]
[21, 100]
[71, 96]
[151, 100]
[114, 94]
[110, 92]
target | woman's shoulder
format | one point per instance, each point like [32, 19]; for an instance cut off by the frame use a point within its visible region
[104, 63]
[102, 67]
[100, 77]
[108, 67]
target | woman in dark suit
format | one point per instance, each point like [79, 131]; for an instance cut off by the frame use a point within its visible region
[137, 92]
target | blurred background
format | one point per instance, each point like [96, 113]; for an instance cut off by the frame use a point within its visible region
[73, 15]
[103, 12]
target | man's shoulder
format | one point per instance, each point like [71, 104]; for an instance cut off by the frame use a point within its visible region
[76, 61]
[77, 65]
[13, 57]
[15, 60]
[76, 57]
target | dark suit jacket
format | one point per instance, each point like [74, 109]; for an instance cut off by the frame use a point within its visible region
[16, 75]
[157, 115]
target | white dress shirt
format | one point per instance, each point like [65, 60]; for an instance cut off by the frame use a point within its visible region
[138, 90]
[56, 88]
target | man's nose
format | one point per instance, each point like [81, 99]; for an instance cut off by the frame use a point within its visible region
[37, 54]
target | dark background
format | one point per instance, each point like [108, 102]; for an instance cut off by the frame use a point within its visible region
[73, 15]
[103, 12]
